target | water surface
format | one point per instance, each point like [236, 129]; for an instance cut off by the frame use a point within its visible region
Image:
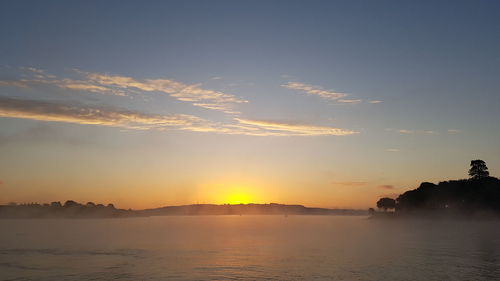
[248, 248]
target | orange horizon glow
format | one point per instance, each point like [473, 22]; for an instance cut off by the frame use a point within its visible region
[221, 190]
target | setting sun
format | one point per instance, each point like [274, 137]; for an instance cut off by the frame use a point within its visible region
[231, 190]
[238, 198]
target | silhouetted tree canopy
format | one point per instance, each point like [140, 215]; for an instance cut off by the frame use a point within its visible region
[386, 203]
[461, 196]
[71, 203]
[478, 169]
[479, 195]
[56, 204]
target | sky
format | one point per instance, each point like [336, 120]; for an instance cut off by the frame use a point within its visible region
[322, 103]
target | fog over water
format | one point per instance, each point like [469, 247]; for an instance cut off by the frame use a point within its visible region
[249, 248]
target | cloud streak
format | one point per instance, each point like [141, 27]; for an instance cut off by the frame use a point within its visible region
[410, 132]
[315, 90]
[107, 116]
[117, 85]
[319, 91]
[209, 99]
[295, 129]
[124, 86]
[351, 101]
[56, 112]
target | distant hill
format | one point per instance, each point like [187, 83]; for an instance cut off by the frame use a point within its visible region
[248, 209]
[72, 209]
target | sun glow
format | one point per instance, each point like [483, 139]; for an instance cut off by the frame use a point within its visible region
[235, 191]
[238, 198]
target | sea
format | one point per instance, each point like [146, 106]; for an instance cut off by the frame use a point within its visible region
[265, 247]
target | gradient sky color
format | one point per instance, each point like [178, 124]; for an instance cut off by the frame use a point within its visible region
[321, 103]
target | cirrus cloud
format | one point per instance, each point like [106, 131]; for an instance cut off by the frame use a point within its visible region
[315, 90]
[319, 91]
[104, 116]
[113, 117]
[118, 85]
[296, 129]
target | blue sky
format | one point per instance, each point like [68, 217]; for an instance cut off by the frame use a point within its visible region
[325, 103]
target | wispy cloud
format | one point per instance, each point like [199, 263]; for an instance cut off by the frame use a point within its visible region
[352, 101]
[209, 99]
[392, 150]
[108, 116]
[385, 186]
[57, 112]
[324, 93]
[124, 85]
[315, 90]
[295, 129]
[118, 85]
[408, 132]
[81, 85]
[454, 131]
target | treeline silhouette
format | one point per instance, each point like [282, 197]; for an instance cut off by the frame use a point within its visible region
[70, 209]
[477, 196]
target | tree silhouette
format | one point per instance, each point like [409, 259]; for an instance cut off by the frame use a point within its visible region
[386, 203]
[56, 204]
[71, 203]
[478, 169]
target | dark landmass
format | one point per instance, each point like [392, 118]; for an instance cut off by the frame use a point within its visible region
[467, 198]
[475, 198]
[249, 209]
[72, 209]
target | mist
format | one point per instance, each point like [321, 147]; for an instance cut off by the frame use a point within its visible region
[249, 247]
